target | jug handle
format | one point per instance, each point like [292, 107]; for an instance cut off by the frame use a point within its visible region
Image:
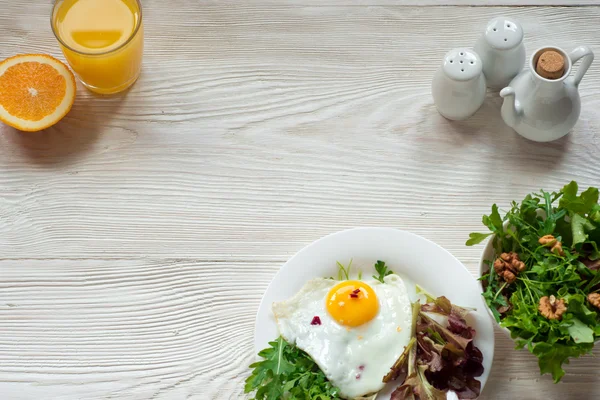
[588, 56]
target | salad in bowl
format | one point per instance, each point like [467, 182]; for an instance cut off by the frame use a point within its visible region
[540, 273]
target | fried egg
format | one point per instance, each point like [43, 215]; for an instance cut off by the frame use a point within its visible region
[354, 330]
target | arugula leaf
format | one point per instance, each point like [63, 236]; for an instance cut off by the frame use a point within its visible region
[577, 307]
[476, 238]
[595, 213]
[493, 221]
[553, 356]
[582, 204]
[589, 198]
[569, 192]
[595, 280]
[288, 371]
[580, 332]
[564, 229]
[579, 227]
[382, 270]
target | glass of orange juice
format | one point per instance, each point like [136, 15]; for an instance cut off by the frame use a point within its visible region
[103, 41]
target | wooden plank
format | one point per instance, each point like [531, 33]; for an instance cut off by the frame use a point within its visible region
[127, 330]
[412, 3]
[169, 329]
[270, 128]
[420, 3]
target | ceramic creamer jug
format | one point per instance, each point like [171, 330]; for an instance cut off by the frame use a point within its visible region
[542, 109]
[458, 86]
[502, 51]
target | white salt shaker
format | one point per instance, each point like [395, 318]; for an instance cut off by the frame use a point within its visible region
[502, 51]
[458, 86]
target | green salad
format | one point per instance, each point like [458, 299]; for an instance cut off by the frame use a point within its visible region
[441, 356]
[543, 281]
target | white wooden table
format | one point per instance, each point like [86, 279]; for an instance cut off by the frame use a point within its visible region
[139, 234]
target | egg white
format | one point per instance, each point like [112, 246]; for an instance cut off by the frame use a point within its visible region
[353, 359]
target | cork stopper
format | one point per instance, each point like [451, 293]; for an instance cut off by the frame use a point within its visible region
[550, 65]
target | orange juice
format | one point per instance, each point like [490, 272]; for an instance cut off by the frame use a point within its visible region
[103, 41]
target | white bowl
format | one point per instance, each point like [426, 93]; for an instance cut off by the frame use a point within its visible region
[489, 254]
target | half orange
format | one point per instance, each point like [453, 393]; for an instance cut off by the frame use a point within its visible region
[36, 91]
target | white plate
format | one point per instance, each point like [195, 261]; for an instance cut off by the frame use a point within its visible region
[416, 259]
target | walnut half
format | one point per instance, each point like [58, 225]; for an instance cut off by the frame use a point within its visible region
[508, 266]
[594, 299]
[553, 243]
[547, 241]
[551, 307]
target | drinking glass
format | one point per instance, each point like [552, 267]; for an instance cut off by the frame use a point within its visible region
[102, 69]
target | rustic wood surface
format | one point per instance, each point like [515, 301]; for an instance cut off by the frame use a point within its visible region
[138, 235]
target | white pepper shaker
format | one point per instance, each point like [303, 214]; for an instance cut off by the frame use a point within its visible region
[458, 86]
[502, 51]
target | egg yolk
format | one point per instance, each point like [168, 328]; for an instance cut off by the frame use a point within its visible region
[352, 303]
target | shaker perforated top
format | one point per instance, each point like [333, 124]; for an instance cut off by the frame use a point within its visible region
[503, 33]
[462, 64]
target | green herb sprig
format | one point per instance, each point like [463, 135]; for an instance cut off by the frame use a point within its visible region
[344, 272]
[382, 270]
[288, 371]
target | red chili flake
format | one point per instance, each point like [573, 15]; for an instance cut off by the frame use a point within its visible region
[361, 367]
[356, 291]
[354, 296]
[316, 320]
[358, 376]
